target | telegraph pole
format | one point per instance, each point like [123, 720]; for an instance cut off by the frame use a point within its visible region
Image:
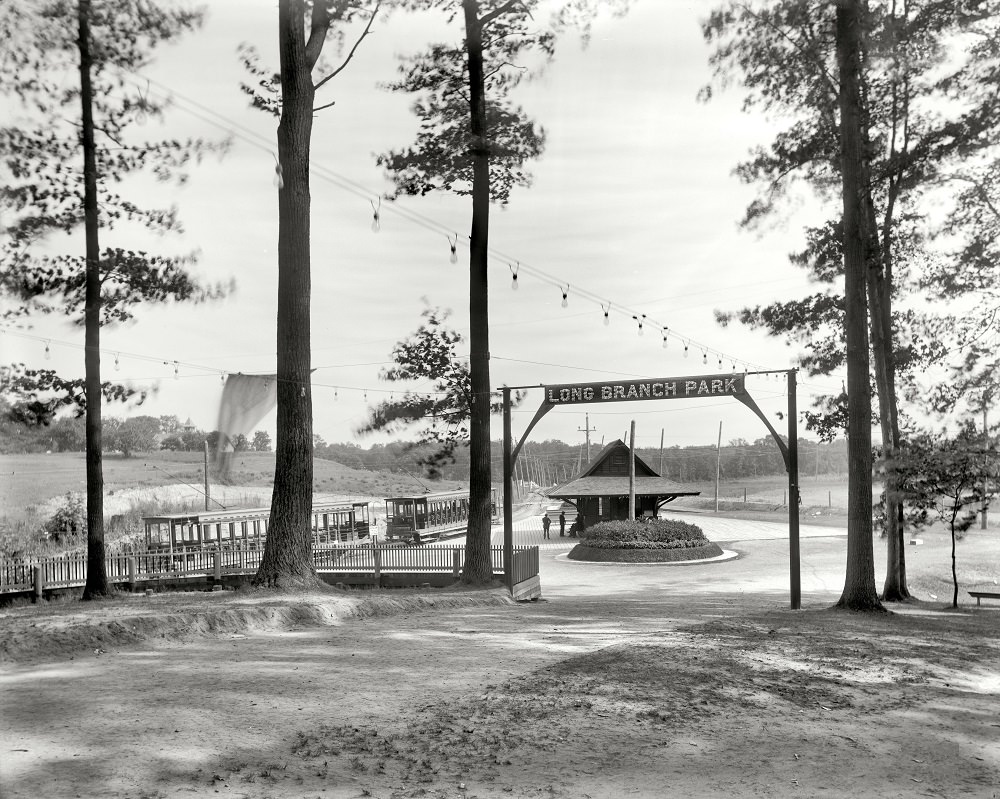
[588, 430]
[718, 466]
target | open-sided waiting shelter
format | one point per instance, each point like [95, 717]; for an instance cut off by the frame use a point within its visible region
[601, 491]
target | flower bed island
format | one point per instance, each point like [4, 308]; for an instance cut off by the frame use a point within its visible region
[647, 541]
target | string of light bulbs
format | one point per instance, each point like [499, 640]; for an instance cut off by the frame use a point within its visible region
[175, 365]
[513, 264]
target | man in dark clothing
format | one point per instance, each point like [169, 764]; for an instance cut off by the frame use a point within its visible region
[546, 521]
[562, 524]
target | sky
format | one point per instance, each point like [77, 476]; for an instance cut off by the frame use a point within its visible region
[633, 206]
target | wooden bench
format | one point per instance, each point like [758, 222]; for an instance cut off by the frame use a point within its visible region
[981, 595]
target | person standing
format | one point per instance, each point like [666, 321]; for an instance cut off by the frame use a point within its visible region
[562, 523]
[546, 522]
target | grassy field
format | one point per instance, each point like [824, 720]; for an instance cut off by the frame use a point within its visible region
[33, 486]
[30, 483]
[32, 480]
[826, 491]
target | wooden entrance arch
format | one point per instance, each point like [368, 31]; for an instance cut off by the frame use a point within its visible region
[688, 387]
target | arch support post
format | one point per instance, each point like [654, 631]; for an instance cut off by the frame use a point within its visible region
[793, 495]
[508, 499]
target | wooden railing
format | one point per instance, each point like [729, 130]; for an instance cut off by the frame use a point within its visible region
[67, 571]
[525, 564]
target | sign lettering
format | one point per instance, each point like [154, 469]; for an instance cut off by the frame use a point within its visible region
[728, 385]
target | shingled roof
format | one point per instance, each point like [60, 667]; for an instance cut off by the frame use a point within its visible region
[604, 478]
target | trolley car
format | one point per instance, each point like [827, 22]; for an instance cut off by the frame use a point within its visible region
[247, 528]
[420, 518]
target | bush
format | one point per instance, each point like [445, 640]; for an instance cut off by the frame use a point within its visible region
[651, 534]
[69, 519]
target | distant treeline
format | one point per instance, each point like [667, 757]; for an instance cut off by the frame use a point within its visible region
[127, 436]
[551, 461]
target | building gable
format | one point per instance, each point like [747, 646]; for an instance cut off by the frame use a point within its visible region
[612, 461]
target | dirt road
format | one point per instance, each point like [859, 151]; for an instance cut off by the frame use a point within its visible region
[687, 681]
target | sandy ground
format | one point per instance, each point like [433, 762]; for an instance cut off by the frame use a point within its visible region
[686, 681]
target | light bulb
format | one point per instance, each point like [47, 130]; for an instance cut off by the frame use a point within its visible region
[48, 354]
[704, 357]
[513, 282]
[116, 361]
[664, 341]
[454, 256]
[375, 225]
[565, 302]
[685, 350]
[607, 319]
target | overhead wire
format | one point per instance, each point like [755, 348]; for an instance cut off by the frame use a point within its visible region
[230, 126]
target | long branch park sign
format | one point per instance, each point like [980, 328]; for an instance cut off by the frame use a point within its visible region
[700, 386]
[718, 386]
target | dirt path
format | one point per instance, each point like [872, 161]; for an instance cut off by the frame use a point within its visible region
[688, 681]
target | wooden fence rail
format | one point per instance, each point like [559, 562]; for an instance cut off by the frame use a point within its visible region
[68, 571]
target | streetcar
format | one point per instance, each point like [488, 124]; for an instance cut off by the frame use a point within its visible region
[246, 529]
[421, 518]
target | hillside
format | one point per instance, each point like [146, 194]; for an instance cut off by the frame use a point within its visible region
[31, 482]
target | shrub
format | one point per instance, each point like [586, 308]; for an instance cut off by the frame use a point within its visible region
[651, 534]
[69, 520]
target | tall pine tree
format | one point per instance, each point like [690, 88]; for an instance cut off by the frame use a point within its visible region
[70, 66]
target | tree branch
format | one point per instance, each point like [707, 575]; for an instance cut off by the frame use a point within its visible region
[319, 27]
[486, 20]
[831, 84]
[501, 65]
[350, 55]
[980, 190]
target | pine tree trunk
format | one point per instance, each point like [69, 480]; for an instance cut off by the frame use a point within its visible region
[478, 564]
[287, 561]
[859, 582]
[895, 588]
[97, 576]
[878, 275]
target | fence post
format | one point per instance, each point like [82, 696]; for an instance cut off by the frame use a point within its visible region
[377, 561]
[217, 567]
[131, 573]
[457, 562]
[36, 574]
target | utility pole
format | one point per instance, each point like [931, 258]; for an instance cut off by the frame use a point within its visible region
[661, 452]
[588, 430]
[718, 466]
[207, 495]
